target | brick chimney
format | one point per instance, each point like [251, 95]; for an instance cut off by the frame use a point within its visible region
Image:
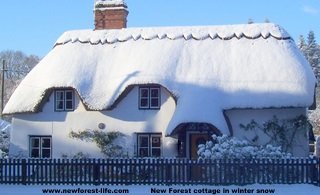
[110, 14]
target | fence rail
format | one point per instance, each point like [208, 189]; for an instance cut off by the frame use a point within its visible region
[160, 171]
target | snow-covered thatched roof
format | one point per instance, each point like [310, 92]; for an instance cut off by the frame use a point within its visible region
[208, 69]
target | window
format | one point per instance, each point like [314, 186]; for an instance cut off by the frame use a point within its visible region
[40, 146]
[64, 100]
[149, 144]
[149, 97]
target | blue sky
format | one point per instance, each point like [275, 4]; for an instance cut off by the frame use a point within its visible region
[33, 26]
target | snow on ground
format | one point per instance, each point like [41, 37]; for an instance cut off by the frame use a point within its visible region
[296, 189]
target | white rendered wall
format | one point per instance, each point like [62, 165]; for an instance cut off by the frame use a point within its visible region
[244, 116]
[126, 118]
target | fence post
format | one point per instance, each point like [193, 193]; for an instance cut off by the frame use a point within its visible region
[313, 172]
[318, 165]
[24, 171]
[318, 168]
[96, 171]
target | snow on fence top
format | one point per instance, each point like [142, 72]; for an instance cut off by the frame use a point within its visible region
[208, 69]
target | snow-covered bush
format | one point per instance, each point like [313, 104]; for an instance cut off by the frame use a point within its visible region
[225, 147]
[314, 118]
[4, 138]
[4, 144]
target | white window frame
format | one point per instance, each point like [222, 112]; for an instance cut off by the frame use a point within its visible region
[64, 100]
[149, 136]
[155, 147]
[145, 98]
[149, 97]
[40, 147]
[143, 147]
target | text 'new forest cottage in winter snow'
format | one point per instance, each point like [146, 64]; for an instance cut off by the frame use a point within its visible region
[165, 89]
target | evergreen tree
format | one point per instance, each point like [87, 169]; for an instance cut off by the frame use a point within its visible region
[312, 53]
[302, 45]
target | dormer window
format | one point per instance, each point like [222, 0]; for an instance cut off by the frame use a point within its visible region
[149, 97]
[64, 100]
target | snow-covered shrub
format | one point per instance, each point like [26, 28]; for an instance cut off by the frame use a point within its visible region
[106, 141]
[4, 142]
[225, 147]
[314, 118]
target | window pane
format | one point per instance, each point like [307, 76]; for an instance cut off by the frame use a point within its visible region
[154, 92]
[144, 103]
[40, 147]
[35, 142]
[59, 95]
[64, 100]
[59, 105]
[69, 105]
[143, 141]
[46, 153]
[46, 142]
[156, 152]
[155, 141]
[155, 102]
[69, 95]
[143, 152]
[144, 92]
[35, 153]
